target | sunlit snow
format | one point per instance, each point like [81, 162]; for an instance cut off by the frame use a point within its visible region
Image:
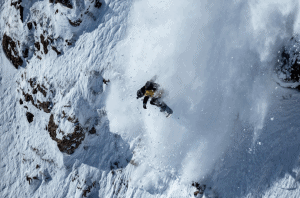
[234, 129]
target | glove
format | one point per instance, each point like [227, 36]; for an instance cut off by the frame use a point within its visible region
[144, 106]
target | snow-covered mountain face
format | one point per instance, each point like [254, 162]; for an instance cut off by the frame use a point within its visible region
[71, 125]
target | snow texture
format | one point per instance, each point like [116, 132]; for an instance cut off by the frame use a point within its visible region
[66, 131]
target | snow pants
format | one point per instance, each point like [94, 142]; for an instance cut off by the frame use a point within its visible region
[159, 103]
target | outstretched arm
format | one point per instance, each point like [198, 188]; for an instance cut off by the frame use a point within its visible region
[145, 101]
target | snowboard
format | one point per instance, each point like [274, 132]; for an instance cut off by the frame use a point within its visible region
[167, 111]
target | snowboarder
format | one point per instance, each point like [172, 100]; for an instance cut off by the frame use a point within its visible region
[152, 90]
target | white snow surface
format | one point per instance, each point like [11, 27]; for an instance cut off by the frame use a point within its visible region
[233, 129]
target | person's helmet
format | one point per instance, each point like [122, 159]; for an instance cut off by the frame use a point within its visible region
[139, 94]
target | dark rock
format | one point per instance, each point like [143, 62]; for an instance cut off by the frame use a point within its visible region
[90, 14]
[45, 43]
[92, 131]
[295, 71]
[10, 50]
[200, 188]
[40, 89]
[44, 86]
[69, 143]
[29, 117]
[88, 190]
[288, 68]
[50, 39]
[29, 25]
[57, 52]
[37, 45]
[28, 97]
[64, 114]
[52, 128]
[68, 42]
[45, 106]
[73, 120]
[28, 179]
[75, 23]
[17, 5]
[98, 4]
[25, 53]
[32, 82]
[21, 101]
[106, 81]
[21, 12]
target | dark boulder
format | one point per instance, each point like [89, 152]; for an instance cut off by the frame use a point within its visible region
[98, 4]
[10, 49]
[29, 117]
[92, 131]
[288, 68]
[29, 25]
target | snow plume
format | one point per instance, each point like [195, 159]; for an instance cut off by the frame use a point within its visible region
[214, 60]
[272, 24]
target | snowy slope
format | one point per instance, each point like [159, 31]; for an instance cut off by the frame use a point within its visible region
[65, 132]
